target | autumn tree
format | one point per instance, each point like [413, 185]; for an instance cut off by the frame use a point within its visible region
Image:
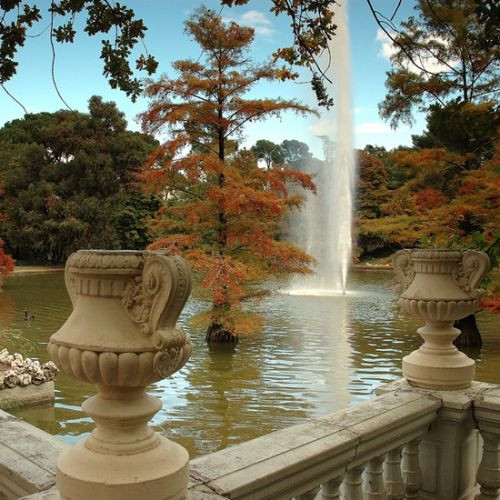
[441, 204]
[446, 63]
[6, 263]
[372, 185]
[440, 57]
[222, 212]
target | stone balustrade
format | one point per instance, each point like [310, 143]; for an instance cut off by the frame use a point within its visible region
[356, 451]
[405, 443]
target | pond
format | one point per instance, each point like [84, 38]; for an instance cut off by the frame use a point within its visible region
[315, 355]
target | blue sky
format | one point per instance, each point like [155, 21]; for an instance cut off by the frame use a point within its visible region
[78, 69]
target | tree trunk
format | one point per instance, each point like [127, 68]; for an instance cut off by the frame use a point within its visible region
[217, 333]
[469, 336]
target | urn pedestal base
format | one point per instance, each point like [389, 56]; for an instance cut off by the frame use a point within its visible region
[439, 286]
[160, 473]
[438, 364]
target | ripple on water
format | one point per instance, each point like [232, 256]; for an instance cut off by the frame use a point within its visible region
[315, 355]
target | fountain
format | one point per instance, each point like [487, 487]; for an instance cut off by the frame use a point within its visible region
[326, 220]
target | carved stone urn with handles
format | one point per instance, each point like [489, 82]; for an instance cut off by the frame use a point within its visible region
[439, 287]
[122, 336]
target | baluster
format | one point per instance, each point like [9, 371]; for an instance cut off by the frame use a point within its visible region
[392, 475]
[352, 488]
[412, 475]
[308, 495]
[374, 483]
[488, 474]
[331, 489]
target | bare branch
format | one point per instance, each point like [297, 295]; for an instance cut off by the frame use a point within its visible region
[54, 58]
[13, 98]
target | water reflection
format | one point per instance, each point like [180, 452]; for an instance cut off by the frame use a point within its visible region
[315, 355]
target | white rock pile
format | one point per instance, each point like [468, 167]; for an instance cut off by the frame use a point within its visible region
[16, 370]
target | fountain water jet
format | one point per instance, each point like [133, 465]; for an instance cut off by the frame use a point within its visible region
[326, 221]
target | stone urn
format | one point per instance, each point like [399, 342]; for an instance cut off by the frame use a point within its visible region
[439, 287]
[122, 336]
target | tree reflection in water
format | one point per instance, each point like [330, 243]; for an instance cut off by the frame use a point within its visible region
[315, 355]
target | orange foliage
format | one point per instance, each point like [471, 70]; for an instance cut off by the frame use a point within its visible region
[6, 263]
[222, 212]
[428, 198]
[491, 303]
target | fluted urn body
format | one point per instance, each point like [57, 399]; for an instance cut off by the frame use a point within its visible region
[439, 287]
[121, 336]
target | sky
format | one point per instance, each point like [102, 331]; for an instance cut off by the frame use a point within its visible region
[78, 70]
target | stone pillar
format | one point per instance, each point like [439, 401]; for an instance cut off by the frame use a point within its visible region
[122, 336]
[439, 287]
[487, 414]
[449, 453]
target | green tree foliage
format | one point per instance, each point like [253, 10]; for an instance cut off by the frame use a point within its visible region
[269, 152]
[68, 181]
[442, 55]
[446, 63]
[291, 153]
[102, 18]
[222, 212]
[464, 128]
[295, 153]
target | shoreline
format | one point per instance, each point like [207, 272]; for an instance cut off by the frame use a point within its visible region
[36, 270]
[42, 269]
[372, 267]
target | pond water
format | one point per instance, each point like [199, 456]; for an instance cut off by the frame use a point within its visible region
[315, 355]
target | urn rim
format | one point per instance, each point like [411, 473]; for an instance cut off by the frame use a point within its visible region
[442, 254]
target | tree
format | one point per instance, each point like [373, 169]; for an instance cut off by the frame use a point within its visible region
[66, 179]
[372, 185]
[222, 212]
[6, 263]
[446, 62]
[441, 204]
[464, 128]
[267, 151]
[295, 152]
[311, 23]
[440, 57]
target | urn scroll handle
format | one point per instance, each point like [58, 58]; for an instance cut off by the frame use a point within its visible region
[70, 280]
[474, 266]
[155, 300]
[403, 267]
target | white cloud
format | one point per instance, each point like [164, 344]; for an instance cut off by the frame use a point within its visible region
[361, 109]
[431, 64]
[387, 48]
[256, 20]
[373, 128]
[255, 17]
